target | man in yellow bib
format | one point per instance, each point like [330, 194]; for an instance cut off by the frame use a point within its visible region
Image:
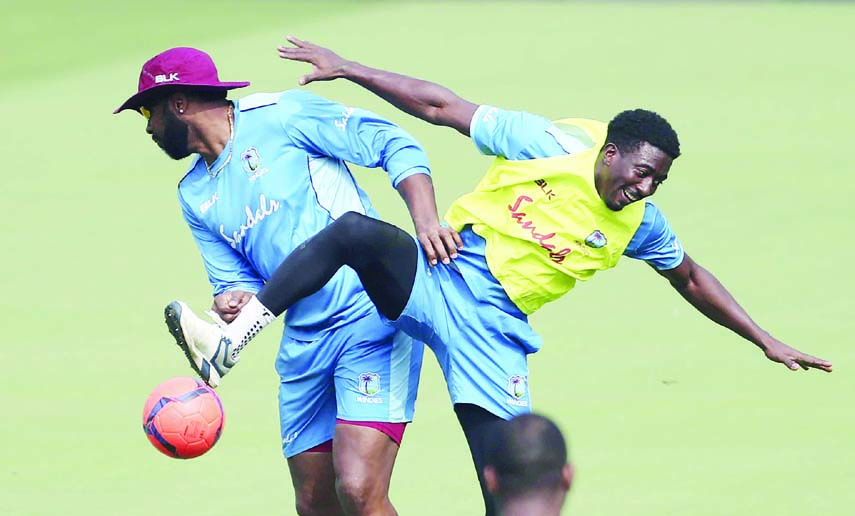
[560, 202]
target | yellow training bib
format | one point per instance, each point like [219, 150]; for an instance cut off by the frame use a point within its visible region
[543, 221]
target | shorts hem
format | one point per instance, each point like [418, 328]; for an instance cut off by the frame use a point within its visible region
[505, 414]
[305, 447]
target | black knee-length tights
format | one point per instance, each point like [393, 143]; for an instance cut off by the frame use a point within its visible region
[383, 256]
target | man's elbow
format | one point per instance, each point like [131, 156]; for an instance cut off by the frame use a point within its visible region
[682, 286]
[436, 115]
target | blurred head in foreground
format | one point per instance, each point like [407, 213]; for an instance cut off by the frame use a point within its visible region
[526, 467]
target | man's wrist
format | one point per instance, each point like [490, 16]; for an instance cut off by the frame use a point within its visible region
[423, 222]
[350, 70]
[763, 340]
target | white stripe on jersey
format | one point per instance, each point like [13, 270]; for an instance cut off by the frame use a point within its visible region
[570, 144]
[334, 186]
[257, 100]
[399, 376]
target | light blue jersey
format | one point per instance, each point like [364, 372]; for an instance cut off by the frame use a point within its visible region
[285, 178]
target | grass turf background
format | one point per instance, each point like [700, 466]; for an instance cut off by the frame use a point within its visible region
[666, 413]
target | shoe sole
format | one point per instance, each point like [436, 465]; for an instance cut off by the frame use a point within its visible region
[172, 314]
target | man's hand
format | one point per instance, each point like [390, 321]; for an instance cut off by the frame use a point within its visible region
[439, 242]
[228, 304]
[326, 64]
[777, 351]
[700, 288]
[429, 101]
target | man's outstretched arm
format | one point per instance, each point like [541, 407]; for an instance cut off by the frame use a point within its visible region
[426, 100]
[700, 288]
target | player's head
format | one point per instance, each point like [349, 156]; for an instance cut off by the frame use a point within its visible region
[526, 461]
[168, 79]
[640, 147]
[165, 111]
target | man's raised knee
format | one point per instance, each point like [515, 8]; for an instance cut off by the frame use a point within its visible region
[354, 224]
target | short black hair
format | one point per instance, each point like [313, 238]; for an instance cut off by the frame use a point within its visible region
[629, 129]
[528, 454]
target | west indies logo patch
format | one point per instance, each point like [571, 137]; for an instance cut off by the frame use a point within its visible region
[518, 386]
[596, 239]
[251, 160]
[368, 383]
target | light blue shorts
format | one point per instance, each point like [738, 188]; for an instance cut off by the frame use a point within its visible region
[362, 371]
[480, 348]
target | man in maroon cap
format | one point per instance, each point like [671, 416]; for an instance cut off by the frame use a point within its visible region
[269, 173]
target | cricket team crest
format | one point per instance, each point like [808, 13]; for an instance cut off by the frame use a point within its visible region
[251, 160]
[368, 383]
[596, 239]
[518, 386]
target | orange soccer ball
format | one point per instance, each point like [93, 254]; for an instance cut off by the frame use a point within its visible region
[183, 417]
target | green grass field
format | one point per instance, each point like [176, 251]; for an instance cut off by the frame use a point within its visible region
[667, 414]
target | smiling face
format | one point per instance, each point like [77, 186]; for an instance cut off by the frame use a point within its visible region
[622, 178]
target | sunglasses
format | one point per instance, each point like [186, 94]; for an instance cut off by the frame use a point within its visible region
[145, 112]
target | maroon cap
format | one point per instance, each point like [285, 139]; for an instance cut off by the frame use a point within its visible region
[181, 66]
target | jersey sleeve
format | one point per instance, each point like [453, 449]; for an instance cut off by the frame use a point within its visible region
[519, 135]
[655, 242]
[227, 269]
[331, 129]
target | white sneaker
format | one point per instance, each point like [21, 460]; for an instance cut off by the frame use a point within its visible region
[205, 344]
